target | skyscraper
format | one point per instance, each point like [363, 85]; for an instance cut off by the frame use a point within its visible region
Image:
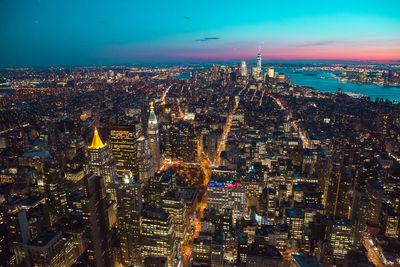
[96, 215]
[130, 219]
[100, 162]
[337, 193]
[259, 71]
[158, 237]
[375, 193]
[340, 236]
[124, 150]
[184, 141]
[271, 73]
[152, 132]
[243, 68]
[145, 160]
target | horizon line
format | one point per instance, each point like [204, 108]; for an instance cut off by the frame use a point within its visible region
[216, 61]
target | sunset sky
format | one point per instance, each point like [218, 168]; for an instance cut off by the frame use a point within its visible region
[82, 32]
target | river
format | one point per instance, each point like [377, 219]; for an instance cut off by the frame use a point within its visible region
[330, 84]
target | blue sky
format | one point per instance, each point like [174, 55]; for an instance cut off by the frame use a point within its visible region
[56, 32]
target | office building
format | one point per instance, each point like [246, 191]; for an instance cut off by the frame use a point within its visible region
[374, 195]
[259, 62]
[271, 73]
[99, 162]
[158, 237]
[225, 193]
[154, 139]
[95, 215]
[243, 68]
[129, 196]
[339, 232]
[145, 160]
[124, 150]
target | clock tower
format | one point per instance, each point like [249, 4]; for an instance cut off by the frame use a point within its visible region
[153, 136]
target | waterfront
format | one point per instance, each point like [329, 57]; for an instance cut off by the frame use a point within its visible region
[313, 79]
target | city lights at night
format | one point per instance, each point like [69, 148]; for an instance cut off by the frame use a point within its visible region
[199, 134]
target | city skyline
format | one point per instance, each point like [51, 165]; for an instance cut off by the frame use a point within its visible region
[48, 33]
[199, 134]
[227, 166]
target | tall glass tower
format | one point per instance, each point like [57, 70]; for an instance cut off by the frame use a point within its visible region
[243, 68]
[259, 58]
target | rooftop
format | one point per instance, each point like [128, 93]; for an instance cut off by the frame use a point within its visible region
[96, 142]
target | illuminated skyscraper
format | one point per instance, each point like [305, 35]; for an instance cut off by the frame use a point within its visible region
[152, 132]
[340, 236]
[100, 162]
[130, 219]
[259, 71]
[158, 237]
[124, 150]
[145, 160]
[271, 73]
[243, 69]
[255, 73]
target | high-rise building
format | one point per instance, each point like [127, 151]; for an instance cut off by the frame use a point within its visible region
[165, 139]
[124, 150]
[337, 194]
[295, 219]
[225, 193]
[243, 68]
[255, 73]
[184, 142]
[158, 237]
[358, 214]
[374, 194]
[95, 213]
[51, 248]
[130, 219]
[174, 204]
[259, 72]
[390, 221]
[340, 236]
[17, 230]
[271, 73]
[145, 160]
[154, 139]
[242, 249]
[45, 250]
[100, 163]
[202, 250]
